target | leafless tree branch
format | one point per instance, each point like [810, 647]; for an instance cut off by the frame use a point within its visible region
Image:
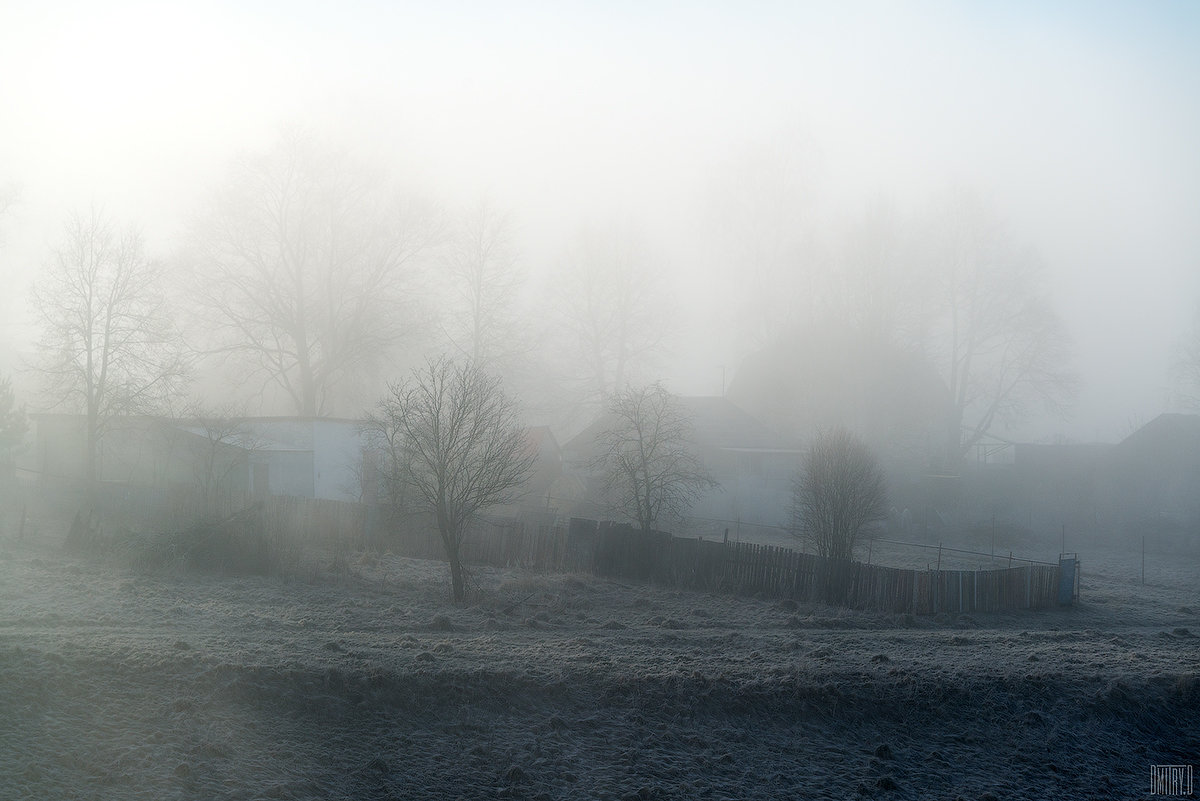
[455, 448]
[838, 492]
[109, 346]
[307, 267]
[649, 466]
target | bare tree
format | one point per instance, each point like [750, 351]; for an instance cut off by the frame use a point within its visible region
[455, 447]
[873, 288]
[306, 264]
[1002, 348]
[481, 264]
[646, 457]
[108, 346]
[615, 313]
[838, 491]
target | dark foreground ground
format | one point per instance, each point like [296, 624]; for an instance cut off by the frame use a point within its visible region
[116, 683]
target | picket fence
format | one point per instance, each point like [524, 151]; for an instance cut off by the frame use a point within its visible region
[775, 572]
[622, 552]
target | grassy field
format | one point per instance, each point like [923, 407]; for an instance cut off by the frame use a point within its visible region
[361, 680]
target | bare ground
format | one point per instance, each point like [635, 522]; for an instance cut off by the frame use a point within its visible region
[116, 683]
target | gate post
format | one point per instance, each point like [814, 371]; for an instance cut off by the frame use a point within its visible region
[1066, 578]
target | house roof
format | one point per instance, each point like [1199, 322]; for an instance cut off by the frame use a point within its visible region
[719, 423]
[248, 440]
[1169, 439]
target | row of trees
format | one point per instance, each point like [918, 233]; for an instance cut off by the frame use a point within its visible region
[651, 473]
[952, 288]
[455, 447]
[311, 272]
[308, 275]
[306, 278]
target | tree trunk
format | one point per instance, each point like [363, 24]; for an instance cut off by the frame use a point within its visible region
[456, 576]
[450, 540]
[91, 472]
[953, 459]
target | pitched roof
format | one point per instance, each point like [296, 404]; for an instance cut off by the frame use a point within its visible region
[719, 423]
[1169, 439]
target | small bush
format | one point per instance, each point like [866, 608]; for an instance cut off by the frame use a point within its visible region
[237, 545]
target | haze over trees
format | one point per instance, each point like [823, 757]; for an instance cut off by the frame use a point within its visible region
[306, 265]
[876, 286]
[484, 320]
[316, 278]
[650, 469]
[454, 446]
[927, 335]
[1001, 347]
[761, 220]
[108, 346]
[614, 314]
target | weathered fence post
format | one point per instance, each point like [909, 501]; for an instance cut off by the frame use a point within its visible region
[1066, 580]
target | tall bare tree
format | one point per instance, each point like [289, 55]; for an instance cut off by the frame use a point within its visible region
[455, 448]
[646, 456]
[615, 313]
[1002, 348]
[306, 266]
[481, 264]
[108, 346]
[838, 491]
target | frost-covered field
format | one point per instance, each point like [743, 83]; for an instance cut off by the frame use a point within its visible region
[163, 685]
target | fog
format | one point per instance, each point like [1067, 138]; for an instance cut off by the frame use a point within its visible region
[741, 144]
[965, 232]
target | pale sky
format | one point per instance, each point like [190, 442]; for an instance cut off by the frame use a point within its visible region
[1078, 120]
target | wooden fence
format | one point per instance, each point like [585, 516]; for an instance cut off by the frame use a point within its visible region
[619, 551]
[776, 572]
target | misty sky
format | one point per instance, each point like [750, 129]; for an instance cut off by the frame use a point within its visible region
[1079, 121]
